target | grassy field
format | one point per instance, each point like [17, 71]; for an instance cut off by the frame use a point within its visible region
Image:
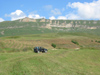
[75, 54]
[54, 62]
[62, 41]
[77, 49]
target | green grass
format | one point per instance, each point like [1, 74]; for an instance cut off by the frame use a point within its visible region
[17, 56]
[55, 62]
[16, 28]
[62, 41]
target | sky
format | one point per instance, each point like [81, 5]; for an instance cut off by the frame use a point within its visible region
[50, 9]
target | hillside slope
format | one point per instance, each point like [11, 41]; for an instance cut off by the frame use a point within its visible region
[61, 40]
[37, 26]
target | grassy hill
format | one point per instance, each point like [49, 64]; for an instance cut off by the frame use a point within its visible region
[75, 54]
[62, 41]
[15, 28]
[77, 49]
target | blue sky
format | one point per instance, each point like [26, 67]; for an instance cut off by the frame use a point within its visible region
[50, 9]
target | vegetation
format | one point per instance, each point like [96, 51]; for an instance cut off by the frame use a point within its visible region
[17, 28]
[61, 41]
[55, 62]
[71, 57]
[91, 40]
[53, 45]
[75, 42]
[98, 41]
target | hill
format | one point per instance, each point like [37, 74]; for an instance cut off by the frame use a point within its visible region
[75, 54]
[38, 26]
[62, 41]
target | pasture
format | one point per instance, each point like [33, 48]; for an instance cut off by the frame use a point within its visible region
[55, 62]
[68, 58]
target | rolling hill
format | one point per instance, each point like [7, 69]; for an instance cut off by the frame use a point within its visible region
[77, 49]
[37, 26]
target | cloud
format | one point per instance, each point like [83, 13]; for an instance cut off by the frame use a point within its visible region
[48, 7]
[52, 18]
[69, 17]
[62, 17]
[66, 17]
[18, 14]
[56, 12]
[87, 10]
[72, 16]
[1, 20]
[35, 16]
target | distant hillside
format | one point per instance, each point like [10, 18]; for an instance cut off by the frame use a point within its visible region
[37, 26]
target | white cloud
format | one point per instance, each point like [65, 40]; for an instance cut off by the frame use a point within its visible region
[18, 14]
[62, 17]
[69, 17]
[52, 18]
[87, 10]
[1, 20]
[35, 16]
[56, 12]
[73, 16]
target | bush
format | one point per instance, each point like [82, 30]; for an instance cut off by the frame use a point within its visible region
[91, 40]
[75, 42]
[98, 41]
[53, 45]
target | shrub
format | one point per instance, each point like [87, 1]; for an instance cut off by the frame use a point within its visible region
[75, 42]
[53, 45]
[98, 41]
[91, 40]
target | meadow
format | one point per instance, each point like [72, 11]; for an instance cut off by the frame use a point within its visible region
[62, 41]
[55, 62]
[75, 54]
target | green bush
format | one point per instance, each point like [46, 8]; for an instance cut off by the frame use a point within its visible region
[75, 42]
[53, 45]
[98, 41]
[91, 40]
